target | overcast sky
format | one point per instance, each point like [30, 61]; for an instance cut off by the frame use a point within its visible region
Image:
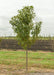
[44, 10]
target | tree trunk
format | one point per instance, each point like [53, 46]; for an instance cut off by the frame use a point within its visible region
[26, 61]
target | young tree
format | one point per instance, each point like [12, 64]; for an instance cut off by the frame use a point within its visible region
[27, 31]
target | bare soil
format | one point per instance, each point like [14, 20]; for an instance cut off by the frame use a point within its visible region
[25, 50]
[13, 70]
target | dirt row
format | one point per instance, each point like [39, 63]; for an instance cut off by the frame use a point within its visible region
[13, 70]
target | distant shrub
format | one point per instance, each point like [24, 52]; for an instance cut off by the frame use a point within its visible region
[0, 39]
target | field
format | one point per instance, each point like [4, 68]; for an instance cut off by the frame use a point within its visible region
[39, 38]
[11, 61]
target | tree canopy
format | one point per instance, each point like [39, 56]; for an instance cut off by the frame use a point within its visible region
[27, 31]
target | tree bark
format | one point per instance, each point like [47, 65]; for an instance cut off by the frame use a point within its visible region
[26, 61]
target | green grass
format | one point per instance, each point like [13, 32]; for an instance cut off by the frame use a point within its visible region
[35, 59]
[46, 38]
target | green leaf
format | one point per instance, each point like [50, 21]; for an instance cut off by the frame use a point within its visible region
[23, 25]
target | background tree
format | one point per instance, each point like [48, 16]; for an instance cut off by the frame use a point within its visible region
[26, 30]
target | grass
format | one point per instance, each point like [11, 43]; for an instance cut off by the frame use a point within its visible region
[35, 59]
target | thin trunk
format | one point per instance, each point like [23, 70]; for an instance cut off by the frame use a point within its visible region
[26, 61]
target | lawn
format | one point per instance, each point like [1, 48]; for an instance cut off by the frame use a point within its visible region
[37, 59]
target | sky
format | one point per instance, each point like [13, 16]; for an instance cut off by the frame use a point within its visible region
[44, 10]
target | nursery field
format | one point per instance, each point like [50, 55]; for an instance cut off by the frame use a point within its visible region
[16, 60]
[39, 38]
